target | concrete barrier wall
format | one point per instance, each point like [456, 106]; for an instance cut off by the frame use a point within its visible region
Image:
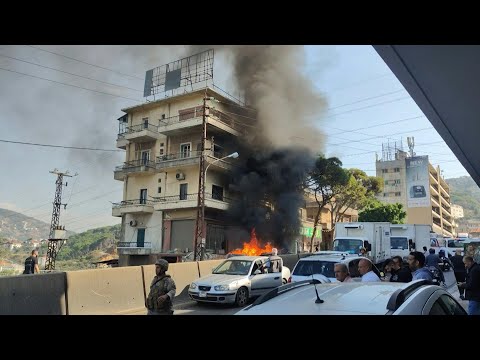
[105, 291]
[39, 294]
[182, 273]
[207, 266]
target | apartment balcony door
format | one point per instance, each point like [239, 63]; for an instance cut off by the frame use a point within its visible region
[141, 238]
[183, 191]
[185, 150]
[145, 156]
[143, 196]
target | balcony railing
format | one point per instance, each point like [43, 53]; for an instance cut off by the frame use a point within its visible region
[136, 202]
[132, 165]
[137, 128]
[193, 196]
[134, 244]
[178, 156]
[214, 114]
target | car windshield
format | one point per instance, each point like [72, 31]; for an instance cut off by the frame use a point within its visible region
[351, 246]
[398, 243]
[233, 267]
[310, 267]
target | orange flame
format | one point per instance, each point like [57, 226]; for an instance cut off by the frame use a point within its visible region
[252, 248]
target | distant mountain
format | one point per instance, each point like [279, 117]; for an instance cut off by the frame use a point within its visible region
[466, 193]
[16, 226]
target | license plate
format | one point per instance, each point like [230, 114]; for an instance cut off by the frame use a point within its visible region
[202, 294]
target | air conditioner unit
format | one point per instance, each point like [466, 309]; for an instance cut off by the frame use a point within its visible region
[180, 176]
[133, 223]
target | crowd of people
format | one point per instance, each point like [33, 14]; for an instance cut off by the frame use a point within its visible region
[420, 266]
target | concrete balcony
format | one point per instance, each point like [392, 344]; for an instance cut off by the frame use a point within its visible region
[122, 142]
[142, 133]
[193, 158]
[135, 167]
[137, 206]
[178, 160]
[435, 201]
[436, 214]
[189, 201]
[176, 125]
[134, 248]
[434, 189]
[437, 228]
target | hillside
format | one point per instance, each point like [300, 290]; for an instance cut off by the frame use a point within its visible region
[16, 226]
[80, 251]
[465, 192]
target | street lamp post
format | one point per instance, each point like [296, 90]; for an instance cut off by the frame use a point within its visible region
[204, 225]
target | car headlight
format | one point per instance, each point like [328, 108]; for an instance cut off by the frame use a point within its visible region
[222, 287]
[193, 286]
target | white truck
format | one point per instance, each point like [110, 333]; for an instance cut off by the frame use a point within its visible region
[373, 236]
[409, 237]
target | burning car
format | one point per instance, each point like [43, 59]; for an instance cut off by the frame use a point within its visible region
[239, 279]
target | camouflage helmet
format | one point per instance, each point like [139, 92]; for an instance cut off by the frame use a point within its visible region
[163, 263]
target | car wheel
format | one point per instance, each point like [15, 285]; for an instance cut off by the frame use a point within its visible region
[242, 297]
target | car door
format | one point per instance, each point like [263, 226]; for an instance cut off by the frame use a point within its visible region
[263, 282]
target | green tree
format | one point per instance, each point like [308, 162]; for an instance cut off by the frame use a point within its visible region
[359, 189]
[376, 211]
[326, 179]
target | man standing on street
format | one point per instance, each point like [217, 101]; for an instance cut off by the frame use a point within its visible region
[416, 263]
[162, 291]
[472, 285]
[459, 270]
[31, 264]
[399, 272]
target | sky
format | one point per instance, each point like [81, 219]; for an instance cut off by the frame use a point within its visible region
[72, 96]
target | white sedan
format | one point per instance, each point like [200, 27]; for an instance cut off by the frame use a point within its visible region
[238, 279]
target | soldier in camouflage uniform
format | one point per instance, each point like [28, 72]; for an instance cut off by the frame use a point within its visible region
[162, 291]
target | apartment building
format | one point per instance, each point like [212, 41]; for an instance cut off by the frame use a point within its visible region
[162, 143]
[413, 182]
[457, 211]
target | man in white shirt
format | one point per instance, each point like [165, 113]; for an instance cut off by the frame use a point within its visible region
[365, 269]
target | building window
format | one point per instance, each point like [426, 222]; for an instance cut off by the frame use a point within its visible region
[398, 193]
[183, 191]
[185, 150]
[159, 180]
[384, 171]
[145, 123]
[159, 189]
[161, 151]
[217, 192]
[385, 194]
[396, 170]
[397, 181]
[386, 182]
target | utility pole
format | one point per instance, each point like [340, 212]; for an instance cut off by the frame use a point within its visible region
[53, 246]
[200, 225]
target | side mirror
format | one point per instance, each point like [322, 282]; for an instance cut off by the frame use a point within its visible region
[368, 246]
[257, 272]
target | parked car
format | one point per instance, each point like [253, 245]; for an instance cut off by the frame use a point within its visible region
[374, 298]
[320, 266]
[238, 279]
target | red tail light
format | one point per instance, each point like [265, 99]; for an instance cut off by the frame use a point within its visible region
[290, 279]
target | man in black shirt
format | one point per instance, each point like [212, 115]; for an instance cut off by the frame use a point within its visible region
[400, 273]
[31, 263]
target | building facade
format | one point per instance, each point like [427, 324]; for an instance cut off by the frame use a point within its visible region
[413, 182]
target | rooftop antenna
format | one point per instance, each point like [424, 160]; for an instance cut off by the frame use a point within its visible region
[411, 145]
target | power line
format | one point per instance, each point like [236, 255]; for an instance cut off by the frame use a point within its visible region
[366, 107]
[360, 82]
[58, 146]
[84, 62]
[75, 86]
[69, 73]
[365, 99]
